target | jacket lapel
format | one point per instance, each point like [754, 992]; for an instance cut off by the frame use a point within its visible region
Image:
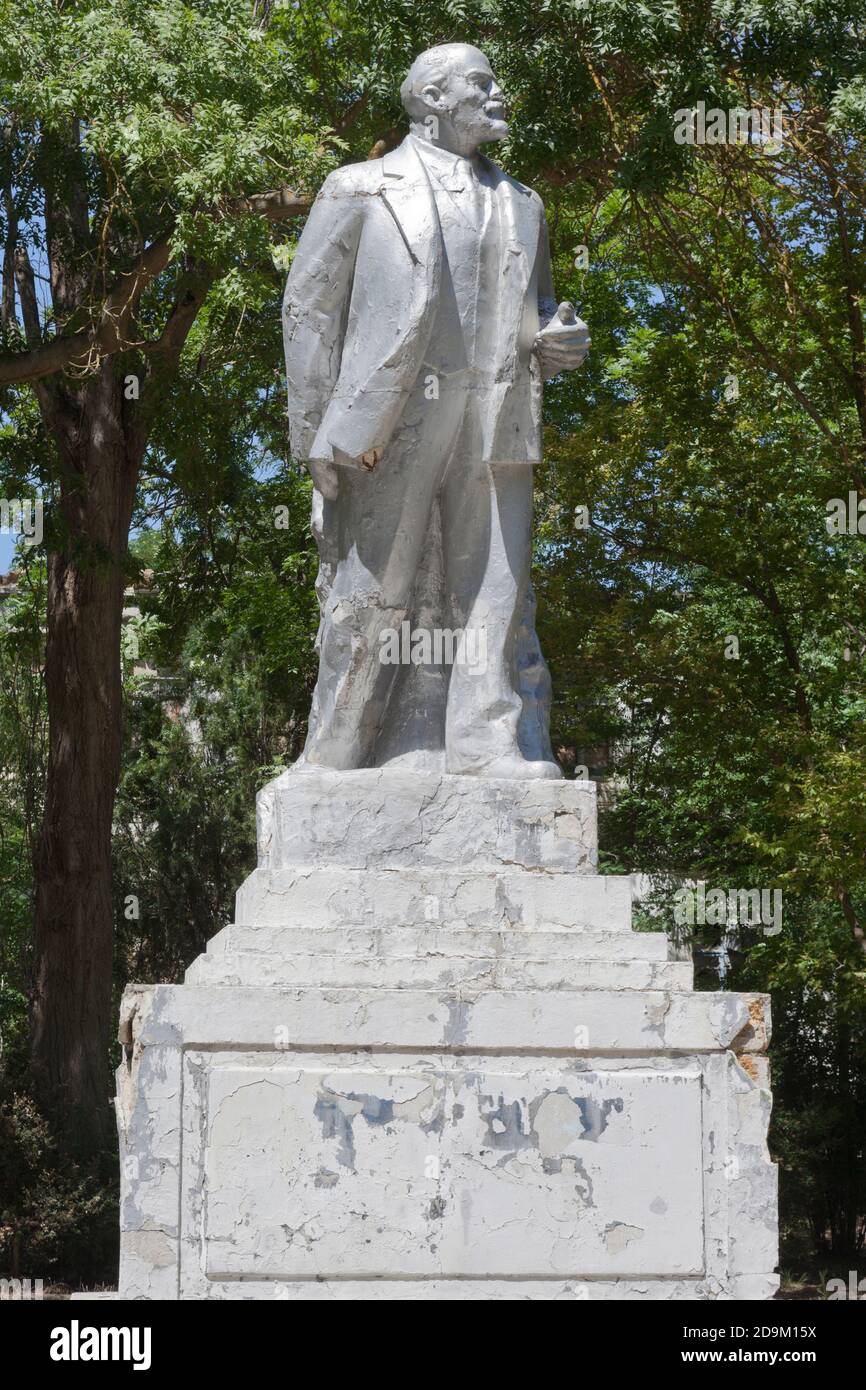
[407, 195]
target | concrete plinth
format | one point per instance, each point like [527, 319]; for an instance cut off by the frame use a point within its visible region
[407, 1075]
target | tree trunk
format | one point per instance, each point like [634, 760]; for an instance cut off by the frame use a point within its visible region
[100, 453]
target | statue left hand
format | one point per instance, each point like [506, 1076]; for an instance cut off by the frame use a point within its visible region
[563, 344]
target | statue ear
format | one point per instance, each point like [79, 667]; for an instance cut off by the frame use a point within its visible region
[432, 95]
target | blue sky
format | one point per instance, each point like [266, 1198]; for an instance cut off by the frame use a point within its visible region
[7, 550]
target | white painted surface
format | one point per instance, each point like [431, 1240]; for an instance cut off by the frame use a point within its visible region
[520, 1099]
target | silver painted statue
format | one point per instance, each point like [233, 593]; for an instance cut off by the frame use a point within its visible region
[419, 322]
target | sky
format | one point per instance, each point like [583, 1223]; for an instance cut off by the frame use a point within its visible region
[7, 549]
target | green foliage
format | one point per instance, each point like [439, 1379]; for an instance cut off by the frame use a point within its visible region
[230, 621]
[707, 508]
[183, 106]
[55, 1215]
[23, 735]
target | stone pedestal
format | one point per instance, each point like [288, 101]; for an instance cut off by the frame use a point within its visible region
[432, 1060]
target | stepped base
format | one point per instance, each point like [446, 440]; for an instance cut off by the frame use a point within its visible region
[376, 818]
[425, 958]
[515, 897]
[453, 1082]
[613, 1147]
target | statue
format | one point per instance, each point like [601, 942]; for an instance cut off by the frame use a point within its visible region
[419, 323]
[426, 965]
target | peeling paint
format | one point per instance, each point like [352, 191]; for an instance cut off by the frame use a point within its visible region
[618, 1235]
[413, 1132]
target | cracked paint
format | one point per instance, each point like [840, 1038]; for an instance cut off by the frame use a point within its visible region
[432, 1119]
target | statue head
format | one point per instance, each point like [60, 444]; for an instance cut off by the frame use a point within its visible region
[453, 99]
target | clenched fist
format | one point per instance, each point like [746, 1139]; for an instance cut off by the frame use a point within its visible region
[564, 342]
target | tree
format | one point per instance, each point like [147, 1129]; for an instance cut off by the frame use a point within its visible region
[146, 151]
[230, 614]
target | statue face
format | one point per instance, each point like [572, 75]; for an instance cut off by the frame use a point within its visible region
[469, 97]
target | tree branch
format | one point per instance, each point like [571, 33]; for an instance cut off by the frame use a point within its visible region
[113, 333]
[276, 206]
[844, 899]
[24, 279]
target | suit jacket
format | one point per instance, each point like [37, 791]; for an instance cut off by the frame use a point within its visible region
[361, 300]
